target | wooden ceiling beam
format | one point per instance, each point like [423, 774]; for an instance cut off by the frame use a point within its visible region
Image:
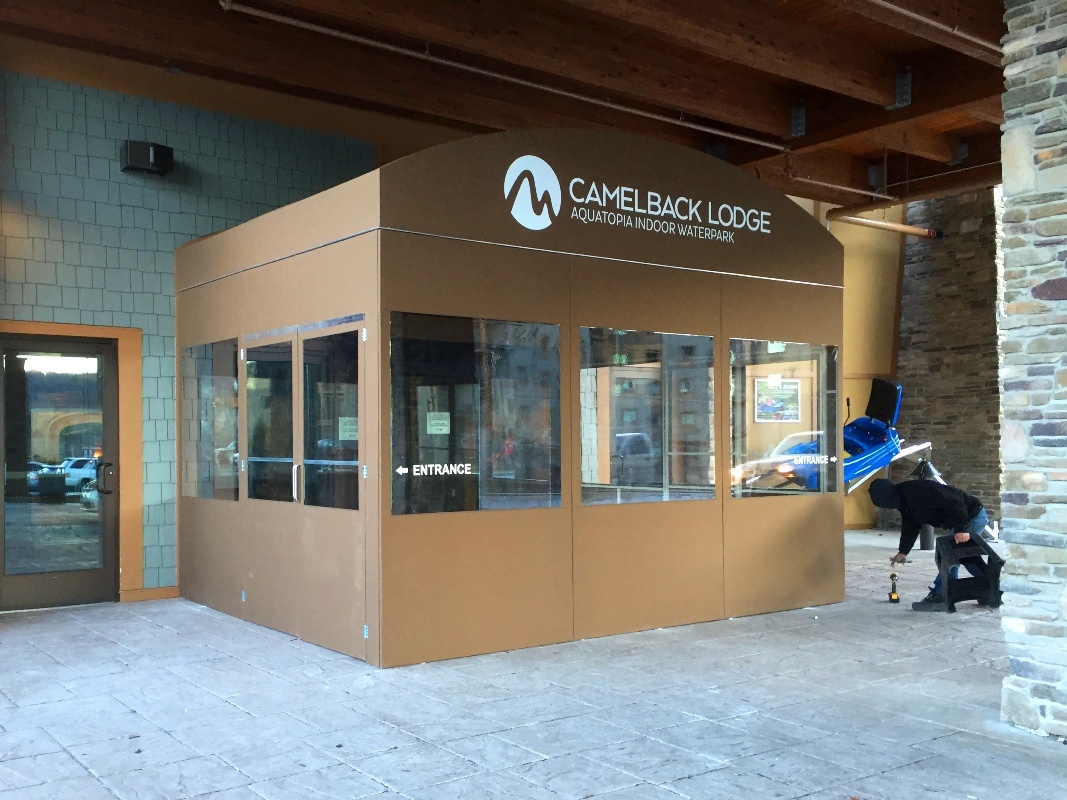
[915, 140]
[828, 176]
[950, 183]
[200, 38]
[928, 107]
[990, 111]
[747, 33]
[983, 149]
[941, 22]
[535, 37]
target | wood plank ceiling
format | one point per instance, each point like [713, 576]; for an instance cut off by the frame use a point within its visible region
[844, 101]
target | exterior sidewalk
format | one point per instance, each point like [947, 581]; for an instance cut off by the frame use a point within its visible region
[863, 699]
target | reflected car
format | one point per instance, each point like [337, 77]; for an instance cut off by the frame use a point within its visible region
[90, 496]
[636, 462]
[32, 468]
[76, 471]
[792, 463]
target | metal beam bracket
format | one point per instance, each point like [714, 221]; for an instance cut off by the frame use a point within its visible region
[798, 121]
[903, 90]
[876, 176]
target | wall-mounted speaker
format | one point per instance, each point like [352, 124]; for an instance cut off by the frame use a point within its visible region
[154, 159]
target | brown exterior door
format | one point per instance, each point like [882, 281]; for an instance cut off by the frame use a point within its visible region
[59, 431]
[304, 482]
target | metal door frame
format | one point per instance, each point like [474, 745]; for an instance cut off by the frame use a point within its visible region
[44, 589]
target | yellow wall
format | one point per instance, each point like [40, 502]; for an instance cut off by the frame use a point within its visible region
[873, 263]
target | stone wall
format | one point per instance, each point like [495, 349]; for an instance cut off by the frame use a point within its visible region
[1034, 364]
[947, 354]
[83, 242]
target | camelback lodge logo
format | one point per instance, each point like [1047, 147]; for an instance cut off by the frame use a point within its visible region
[532, 188]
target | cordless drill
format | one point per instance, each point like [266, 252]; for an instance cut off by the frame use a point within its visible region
[893, 596]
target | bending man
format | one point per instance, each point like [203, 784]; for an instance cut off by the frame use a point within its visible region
[925, 502]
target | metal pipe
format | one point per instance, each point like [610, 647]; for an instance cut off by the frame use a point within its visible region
[885, 225]
[228, 5]
[852, 189]
[992, 47]
[943, 174]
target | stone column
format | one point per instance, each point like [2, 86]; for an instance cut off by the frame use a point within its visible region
[1033, 339]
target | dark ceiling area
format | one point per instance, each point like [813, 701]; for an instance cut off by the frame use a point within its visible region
[845, 101]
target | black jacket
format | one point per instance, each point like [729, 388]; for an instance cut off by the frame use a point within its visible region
[926, 502]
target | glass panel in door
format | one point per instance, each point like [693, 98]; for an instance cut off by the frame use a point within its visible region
[269, 377]
[58, 542]
[331, 420]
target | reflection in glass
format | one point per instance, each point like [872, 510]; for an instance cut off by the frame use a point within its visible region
[209, 421]
[783, 423]
[331, 421]
[475, 414]
[53, 445]
[647, 416]
[270, 422]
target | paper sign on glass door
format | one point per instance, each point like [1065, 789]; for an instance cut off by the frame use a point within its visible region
[438, 422]
[348, 429]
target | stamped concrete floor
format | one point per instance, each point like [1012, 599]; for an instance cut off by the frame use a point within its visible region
[859, 700]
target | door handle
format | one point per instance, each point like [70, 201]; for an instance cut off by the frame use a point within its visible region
[100, 478]
[296, 483]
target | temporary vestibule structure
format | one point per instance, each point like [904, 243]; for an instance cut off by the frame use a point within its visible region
[517, 389]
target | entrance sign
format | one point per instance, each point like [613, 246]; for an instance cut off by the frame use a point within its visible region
[434, 470]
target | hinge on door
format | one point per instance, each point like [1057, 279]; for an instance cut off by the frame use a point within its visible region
[364, 334]
[366, 471]
[242, 354]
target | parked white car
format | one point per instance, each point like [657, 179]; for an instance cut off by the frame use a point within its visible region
[76, 471]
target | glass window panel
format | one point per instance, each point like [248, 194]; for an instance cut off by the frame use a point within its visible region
[331, 421]
[646, 416]
[209, 421]
[270, 421]
[53, 442]
[783, 421]
[475, 414]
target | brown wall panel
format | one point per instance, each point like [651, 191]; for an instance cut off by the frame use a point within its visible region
[331, 552]
[210, 313]
[779, 311]
[783, 552]
[345, 210]
[431, 275]
[328, 283]
[303, 570]
[644, 565]
[209, 561]
[639, 297]
[461, 583]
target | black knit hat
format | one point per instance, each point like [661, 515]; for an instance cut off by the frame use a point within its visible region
[884, 493]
